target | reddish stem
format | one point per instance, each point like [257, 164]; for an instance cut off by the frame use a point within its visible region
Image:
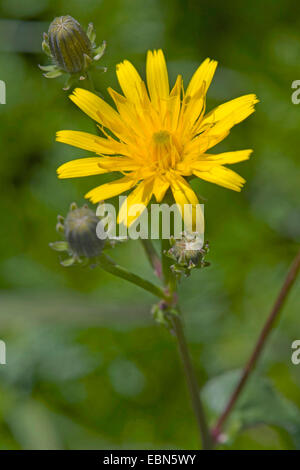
[283, 294]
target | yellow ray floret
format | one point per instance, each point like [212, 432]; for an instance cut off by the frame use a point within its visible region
[156, 137]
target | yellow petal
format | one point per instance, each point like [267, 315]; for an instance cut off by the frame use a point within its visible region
[204, 73]
[223, 177]
[187, 201]
[174, 104]
[160, 188]
[182, 192]
[128, 113]
[228, 114]
[98, 109]
[108, 190]
[130, 81]
[203, 142]
[157, 76]
[140, 196]
[216, 125]
[81, 167]
[118, 164]
[90, 142]
[223, 158]
[193, 109]
[187, 166]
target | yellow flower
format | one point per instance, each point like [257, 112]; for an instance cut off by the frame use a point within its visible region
[158, 137]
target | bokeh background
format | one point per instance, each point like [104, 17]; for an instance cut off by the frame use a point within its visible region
[87, 367]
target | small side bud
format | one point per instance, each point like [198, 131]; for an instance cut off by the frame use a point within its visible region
[80, 232]
[188, 253]
[81, 242]
[68, 44]
[72, 50]
[162, 314]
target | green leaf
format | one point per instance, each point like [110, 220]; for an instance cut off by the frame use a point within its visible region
[53, 74]
[91, 33]
[99, 51]
[259, 403]
[33, 426]
[59, 246]
[46, 48]
[47, 68]
[67, 262]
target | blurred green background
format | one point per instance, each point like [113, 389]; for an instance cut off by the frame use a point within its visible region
[87, 367]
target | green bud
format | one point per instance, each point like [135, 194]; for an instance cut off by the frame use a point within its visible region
[73, 51]
[68, 44]
[80, 232]
[162, 313]
[80, 239]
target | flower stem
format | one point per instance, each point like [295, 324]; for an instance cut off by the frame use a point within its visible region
[166, 262]
[267, 328]
[170, 283]
[152, 257]
[192, 384]
[92, 88]
[90, 82]
[109, 265]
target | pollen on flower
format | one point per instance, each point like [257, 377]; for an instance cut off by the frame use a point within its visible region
[161, 137]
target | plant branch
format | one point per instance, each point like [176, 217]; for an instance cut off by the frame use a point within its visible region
[152, 257]
[168, 276]
[109, 265]
[192, 384]
[170, 283]
[266, 330]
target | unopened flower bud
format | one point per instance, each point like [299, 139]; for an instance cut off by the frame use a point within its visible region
[81, 242]
[69, 45]
[80, 232]
[72, 50]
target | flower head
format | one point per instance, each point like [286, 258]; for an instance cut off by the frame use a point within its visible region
[157, 137]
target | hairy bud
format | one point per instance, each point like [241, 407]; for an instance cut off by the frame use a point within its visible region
[80, 232]
[80, 237]
[72, 50]
[69, 45]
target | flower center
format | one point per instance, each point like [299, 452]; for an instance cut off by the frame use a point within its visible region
[161, 137]
[164, 151]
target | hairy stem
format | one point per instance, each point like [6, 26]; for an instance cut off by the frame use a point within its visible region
[266, 330]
